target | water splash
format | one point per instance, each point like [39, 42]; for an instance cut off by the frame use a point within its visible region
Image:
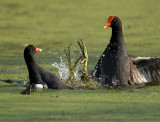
[78, 73]
[62, 69]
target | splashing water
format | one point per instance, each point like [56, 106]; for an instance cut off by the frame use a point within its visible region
[63, 70]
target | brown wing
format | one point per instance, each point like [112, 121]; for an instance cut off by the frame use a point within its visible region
[144, 69]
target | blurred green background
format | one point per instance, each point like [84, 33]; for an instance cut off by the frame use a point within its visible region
[52, 25]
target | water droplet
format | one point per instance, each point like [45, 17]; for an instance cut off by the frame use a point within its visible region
[62, 65]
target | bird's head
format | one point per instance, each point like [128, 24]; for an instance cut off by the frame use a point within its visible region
[113, 22]
[32, 49]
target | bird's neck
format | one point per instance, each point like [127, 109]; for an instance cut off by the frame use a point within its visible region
[33, 69]
[117, 35]
[117, 42]
[31, 63]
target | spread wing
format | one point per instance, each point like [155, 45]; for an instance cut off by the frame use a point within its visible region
[144, 69]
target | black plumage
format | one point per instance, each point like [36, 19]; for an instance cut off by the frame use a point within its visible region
[117, 67]
[113, 67]
[38, 75]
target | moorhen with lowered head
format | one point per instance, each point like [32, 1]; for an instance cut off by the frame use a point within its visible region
[117, 67]
[40, 78]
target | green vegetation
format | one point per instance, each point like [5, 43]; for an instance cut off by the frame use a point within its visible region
[52, 25]
[86, 105]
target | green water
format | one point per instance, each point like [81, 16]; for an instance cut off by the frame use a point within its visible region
[52, 25]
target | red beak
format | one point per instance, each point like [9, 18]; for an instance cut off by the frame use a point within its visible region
[107, 25]
[109, 22]
[38, 50]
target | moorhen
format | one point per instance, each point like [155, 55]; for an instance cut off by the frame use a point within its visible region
[40, 78]
[117, 67]
[113, 67]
